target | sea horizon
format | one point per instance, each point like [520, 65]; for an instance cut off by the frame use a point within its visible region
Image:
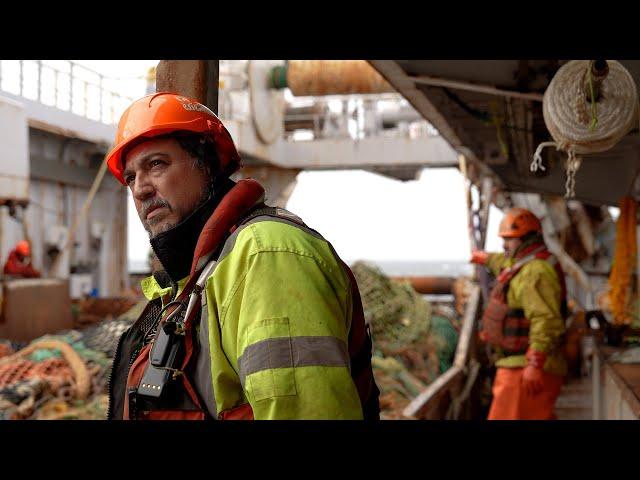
[438, 268]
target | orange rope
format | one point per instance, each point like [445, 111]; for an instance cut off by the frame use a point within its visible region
[624, 263]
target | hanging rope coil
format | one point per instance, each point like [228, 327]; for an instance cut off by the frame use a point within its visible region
[582, 121]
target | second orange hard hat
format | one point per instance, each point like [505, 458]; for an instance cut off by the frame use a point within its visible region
[23, 248]
[518, 222]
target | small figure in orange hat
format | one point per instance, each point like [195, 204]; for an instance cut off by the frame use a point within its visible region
[19, 262]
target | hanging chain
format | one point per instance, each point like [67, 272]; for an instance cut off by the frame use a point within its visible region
[573, 164]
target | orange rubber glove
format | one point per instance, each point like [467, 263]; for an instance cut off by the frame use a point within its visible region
[532, 375]
[480, 257]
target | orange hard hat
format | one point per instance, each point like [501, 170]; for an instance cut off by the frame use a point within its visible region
[518, 222]
[163, 112]
[23, 248]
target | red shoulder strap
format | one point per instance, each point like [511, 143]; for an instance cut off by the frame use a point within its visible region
[235, 204]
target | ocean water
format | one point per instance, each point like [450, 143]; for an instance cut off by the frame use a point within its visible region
[444, 268]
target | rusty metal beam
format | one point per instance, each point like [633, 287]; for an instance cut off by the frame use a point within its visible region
[186, 77]
[192, 78]
[211, 83]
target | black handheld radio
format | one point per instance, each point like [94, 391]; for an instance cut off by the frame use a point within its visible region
[164, 358]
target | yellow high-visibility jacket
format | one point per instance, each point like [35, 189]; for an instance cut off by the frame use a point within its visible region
[535, 289]
[276, 322]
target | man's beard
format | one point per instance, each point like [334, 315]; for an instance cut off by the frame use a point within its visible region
[164, 228]
[163, 203]
[145, 207]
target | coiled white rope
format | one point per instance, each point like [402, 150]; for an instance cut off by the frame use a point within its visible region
[582, 127]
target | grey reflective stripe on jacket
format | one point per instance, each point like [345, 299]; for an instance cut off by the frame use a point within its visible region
[289, 352]
[202, 375]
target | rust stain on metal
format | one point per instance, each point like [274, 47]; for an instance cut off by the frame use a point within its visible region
[185, 77]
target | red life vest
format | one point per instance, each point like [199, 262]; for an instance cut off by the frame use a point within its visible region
[509, 328]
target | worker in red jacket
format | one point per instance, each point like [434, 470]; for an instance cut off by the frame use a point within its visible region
[19, 262]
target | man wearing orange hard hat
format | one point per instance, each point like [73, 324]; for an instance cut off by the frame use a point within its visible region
[19, 262]
[252, 314]
[524, 321]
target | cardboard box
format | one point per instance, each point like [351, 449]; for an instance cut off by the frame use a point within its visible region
[34, 307]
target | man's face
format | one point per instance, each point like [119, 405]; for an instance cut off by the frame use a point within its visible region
[510, 245]
[165, 184]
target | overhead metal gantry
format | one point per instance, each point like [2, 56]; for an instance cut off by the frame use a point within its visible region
[491, 112]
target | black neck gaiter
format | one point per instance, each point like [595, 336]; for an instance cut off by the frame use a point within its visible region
[175, 247]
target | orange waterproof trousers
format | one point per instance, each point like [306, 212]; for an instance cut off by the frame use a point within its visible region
[511, 402]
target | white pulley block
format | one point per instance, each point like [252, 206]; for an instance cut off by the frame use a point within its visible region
[267, 104]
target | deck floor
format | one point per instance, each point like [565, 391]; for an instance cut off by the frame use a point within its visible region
[576, 400]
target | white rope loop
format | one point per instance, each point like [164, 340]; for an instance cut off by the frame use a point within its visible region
[536, 164]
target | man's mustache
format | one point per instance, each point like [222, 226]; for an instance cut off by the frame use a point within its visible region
[152, 204]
